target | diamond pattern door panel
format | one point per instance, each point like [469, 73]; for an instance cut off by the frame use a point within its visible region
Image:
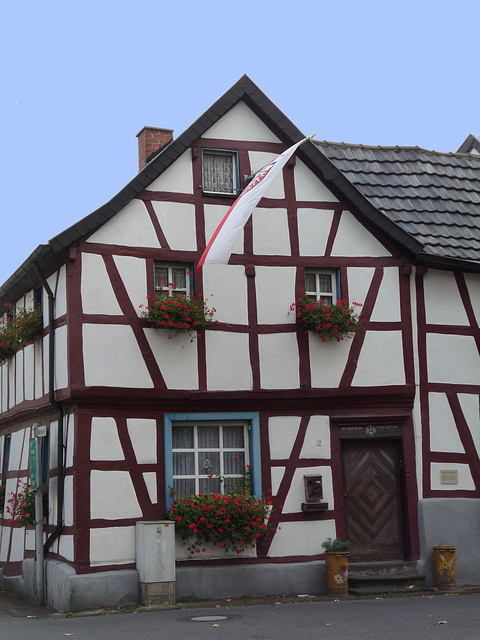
[372, 499]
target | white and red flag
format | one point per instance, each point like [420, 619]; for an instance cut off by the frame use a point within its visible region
[221, 244]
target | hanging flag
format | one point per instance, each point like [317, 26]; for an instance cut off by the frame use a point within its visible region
[221, 244]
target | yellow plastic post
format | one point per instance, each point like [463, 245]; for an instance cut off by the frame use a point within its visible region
[337, 572]
[445, 565]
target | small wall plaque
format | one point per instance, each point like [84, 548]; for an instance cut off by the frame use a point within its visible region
[449, 476]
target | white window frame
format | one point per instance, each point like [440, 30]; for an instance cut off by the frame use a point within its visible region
[317, 293]
[235, 174]
[168, 287]
[202, 474]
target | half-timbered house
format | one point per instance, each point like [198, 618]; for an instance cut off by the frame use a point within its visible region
[389, 420]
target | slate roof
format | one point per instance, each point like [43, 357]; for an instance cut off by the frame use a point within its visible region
[434, 197]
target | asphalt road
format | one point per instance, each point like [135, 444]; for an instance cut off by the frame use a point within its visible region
[421, 617]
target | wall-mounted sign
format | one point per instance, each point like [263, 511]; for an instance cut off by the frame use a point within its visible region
[371, 431]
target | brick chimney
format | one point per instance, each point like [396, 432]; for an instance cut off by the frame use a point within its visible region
[151, 139]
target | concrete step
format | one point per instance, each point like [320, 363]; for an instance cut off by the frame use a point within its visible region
[371, 578]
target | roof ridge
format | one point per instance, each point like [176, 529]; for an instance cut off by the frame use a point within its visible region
[397, 147]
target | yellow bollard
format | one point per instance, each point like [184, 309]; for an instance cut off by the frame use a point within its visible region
[445, 565]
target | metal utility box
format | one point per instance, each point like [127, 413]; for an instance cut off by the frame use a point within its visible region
[155, 559]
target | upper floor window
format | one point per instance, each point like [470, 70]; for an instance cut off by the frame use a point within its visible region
[173, 278]
[321, 284]
[220, 172]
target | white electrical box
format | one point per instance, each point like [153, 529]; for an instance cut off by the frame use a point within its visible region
[155, 551]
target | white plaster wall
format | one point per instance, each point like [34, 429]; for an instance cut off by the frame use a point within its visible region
[143, 436]
[308, 186]
[4, 388]
[69, 437]
[223, 349]
[277, 474]
[275, 291]
[130, 227]
[65, 547]
[317, 438]
[240, 123]
[177, 358]
[443, 303]
[19, 377]
[5, 543]
[112, 357]
[61, 358]
[296, 492]
[58, 284]
[359, 281]
[30, 540]
[473, 286]
[38, 346]
[134, 276]
[105, 443]
[53, 450]
[313, 230]
[465, 480]
[258, 160]
[18, 544]
[29, 367]
[17, 443]
[177, 221]
[387, 305]
[271, 236]
[11, 383]
[68, 501]
[301, 538]
[97, 292]
[327, 361]
[225, 290]
[214, 214]
[469, 403]
[452, 359]
[282, 432]
[381, 360]
[178, 178]
[443, 431]
[150, 479]
[354, 240]
[279, 361]
[112, 545]
[112, 496]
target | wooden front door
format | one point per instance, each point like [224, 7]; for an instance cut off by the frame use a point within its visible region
[372, 499]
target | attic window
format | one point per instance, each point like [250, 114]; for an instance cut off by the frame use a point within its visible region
[220, 172]
[173, 278]
[321, 284]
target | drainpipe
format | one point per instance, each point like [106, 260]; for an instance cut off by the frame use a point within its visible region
[51, 396]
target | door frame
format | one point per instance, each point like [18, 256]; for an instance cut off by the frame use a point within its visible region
[397, 428]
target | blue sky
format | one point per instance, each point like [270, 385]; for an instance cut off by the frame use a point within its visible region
[79, 80]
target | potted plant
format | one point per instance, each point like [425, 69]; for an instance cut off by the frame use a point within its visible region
[18, 330]
[331, 321]
[21, 505]
[337, 553]
[178, 313]
[233, 521]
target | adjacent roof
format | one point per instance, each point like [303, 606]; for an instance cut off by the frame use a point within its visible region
[402, 192]
[433, 196]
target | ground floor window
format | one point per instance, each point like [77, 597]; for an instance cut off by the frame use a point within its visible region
[205, 453]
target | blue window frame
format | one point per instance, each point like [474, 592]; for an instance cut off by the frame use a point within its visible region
[220, 419]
